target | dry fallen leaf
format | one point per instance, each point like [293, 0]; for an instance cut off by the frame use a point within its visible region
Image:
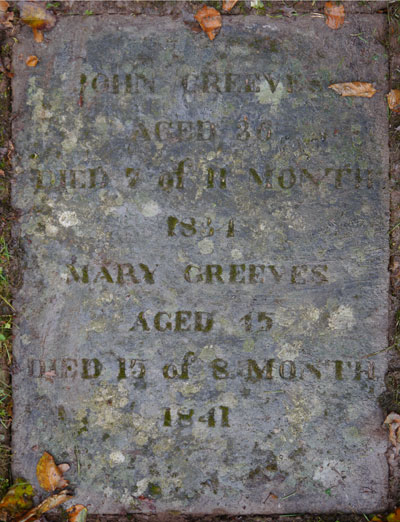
[77, 513]
[361, 89]
[393, 421]
[64, 467]
[209, 20]
[334, 15]
[37, 17]
[50, 476]
[5, 16]
[43, 507]
[32, 61]
[394, 517]
[18, 499]
[393, 99]
[227, 5]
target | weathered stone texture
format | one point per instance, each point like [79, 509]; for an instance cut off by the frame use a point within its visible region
[205, 236]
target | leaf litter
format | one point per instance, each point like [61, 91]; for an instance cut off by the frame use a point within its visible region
[360, 89]
[210, 21]
[32, 61]
[38, 17]
[334, 15]
[393, 99]
[77, 513]
[227, 5]
[6, 16]
[49, 475]
[17, 504]
[393, 421]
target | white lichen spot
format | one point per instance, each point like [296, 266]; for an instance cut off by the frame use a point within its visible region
[108, 492]
[248, 345]
[141, 486]
[151, 209]
[141, 439]
[188, 389]
[342, 318]
[68, 219]
[267, 97]
[312, 314]
[220, 386]
[236, 254]
[330, 473]
[206, 246]
[229, 398]
[182, 257]
[51, 230]
[290, 352]
[127, 499]
[207, 354]
[40, 115]
[116, 457]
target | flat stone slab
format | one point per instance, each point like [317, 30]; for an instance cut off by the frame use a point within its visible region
[204, 227]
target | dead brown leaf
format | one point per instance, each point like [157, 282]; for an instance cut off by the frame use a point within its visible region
[49, 475]
[32, 61]
[393, 99]
[77, 513]
[5, 16]
[18, 499]
[361, 89]
[50, 503]
[393, 421]
[334, 15]
[394, 517]
[227, 5]
[210, 21]
[37, 16]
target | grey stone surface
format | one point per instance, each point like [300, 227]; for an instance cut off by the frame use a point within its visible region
[205, 236]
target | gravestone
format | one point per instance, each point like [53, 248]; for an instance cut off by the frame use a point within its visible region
[204, 227]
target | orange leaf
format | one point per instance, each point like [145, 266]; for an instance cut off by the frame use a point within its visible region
[4, 6]
[48, 474]
[393, 99]
[37, 17]
[334, 15]
[32, 61]
[77, 513]
[43, 507]
[394, 517]
[393, 421]
[37, 35]
[361, 89]
[209, 20]
[227, 5]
